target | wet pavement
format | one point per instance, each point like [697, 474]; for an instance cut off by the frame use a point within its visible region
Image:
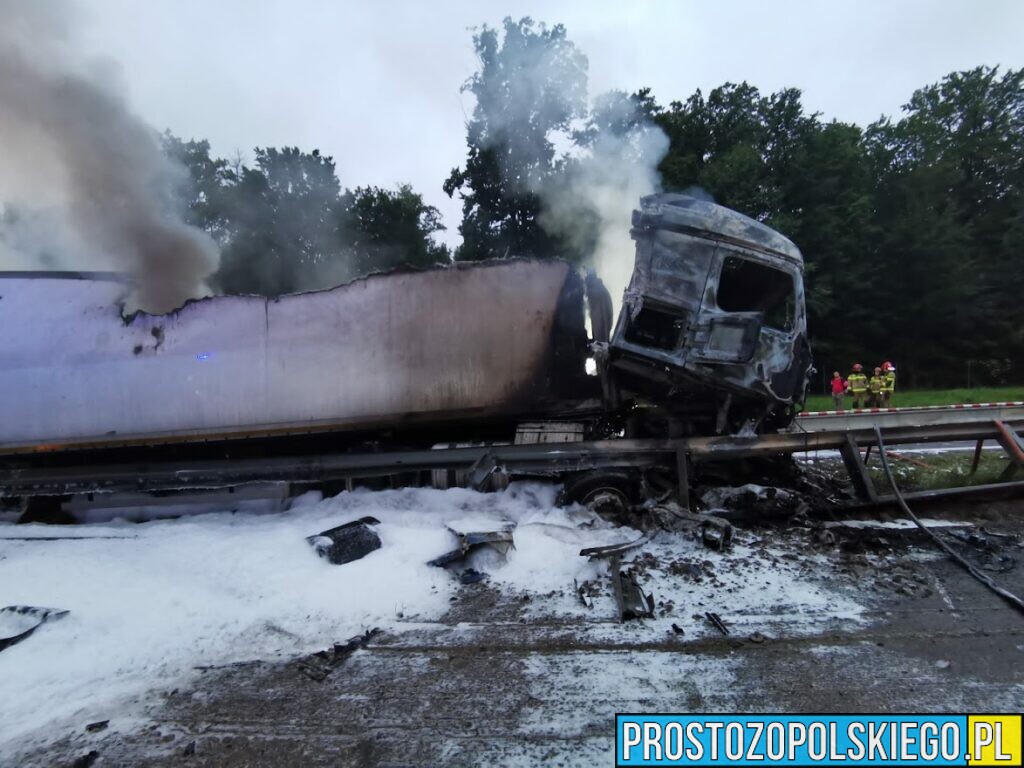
[873, 623]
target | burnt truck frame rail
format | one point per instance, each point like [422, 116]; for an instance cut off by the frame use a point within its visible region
[553, 460]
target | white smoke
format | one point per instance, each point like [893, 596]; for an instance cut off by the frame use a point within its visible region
[83, 181]
[531, 104]
[590, 202]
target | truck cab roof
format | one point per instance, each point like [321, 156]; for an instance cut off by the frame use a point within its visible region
[677, 211]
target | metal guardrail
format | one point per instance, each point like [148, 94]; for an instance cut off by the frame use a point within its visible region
[535, 460]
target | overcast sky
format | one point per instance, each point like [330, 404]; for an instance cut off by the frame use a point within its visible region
[376, 85]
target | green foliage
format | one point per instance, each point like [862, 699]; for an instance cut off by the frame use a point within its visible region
[531, 86]
[919, 397]
[284, 223]
[912, 229]
[389, 229]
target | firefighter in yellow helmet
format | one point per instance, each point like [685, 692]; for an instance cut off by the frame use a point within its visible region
[888, 384]
[858, 385]
[875, 384]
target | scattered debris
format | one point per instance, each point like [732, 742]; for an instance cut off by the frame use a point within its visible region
[823, 536]
[686, 568]
[988, 548]
[632, 601]
[18, 622]
[587, 591]
[100, 725]
[500, 540]
[943, 663]
[320, 664]
[347, 542]
[677, 629]
[714, 532]
[471, 576]
[753, 501]
[86, 760]
[189, 750]
[716, 621]
[612, 550]
[757, 637]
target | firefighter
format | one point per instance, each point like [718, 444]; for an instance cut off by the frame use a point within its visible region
[839, 388]
[875, 385]
[888, 383]
[858, 384]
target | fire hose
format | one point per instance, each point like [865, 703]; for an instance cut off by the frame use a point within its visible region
[1008, 596]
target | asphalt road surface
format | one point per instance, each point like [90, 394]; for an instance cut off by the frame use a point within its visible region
[873, 622]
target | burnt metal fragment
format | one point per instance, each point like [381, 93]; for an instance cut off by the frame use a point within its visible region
[713, 531]
[100, 725]
[611, 550]
[716, 621]
[632, 601]
[322, 663]
[471, 576]
[481, 471]
[17, 622]
[501, 541]
[348, 542]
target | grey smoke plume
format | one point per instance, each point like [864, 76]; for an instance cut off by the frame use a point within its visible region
[84, 180]
[590, 202]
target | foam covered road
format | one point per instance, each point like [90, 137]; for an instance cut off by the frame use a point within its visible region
[513, 675]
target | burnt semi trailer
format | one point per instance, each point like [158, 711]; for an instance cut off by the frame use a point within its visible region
[711, 339]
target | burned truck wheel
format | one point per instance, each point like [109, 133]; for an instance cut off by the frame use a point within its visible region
[46, 509]
[610, 494]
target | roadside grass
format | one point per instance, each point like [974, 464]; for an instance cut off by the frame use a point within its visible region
[918, 397]
[930, 472]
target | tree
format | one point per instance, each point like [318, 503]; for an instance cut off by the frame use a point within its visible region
[284, 224]
[531, 86]
[949, 204]
[208, 179]
[281, 230]
[384, 229]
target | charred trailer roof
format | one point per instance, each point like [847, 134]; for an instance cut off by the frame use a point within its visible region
[713, 322]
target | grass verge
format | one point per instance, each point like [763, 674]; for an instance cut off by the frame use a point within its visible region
[918, 397]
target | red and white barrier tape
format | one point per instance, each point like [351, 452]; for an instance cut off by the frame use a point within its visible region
[957, 407]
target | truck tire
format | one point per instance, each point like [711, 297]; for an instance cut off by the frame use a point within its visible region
[609, 493]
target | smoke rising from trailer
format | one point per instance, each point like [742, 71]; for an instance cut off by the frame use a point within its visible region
[532, 104]
[83, 181]
[590, 202]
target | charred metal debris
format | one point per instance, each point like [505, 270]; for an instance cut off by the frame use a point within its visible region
[499, 541]
[19, 622]
[345, 543]
[321, 664]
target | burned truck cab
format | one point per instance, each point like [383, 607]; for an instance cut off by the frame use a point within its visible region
[713, 324]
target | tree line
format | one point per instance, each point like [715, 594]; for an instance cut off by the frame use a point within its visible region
[284, 223]
[912, 228]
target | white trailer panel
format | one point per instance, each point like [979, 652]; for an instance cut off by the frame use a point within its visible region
[463, 340]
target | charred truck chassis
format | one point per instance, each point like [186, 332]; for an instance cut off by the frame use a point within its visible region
[609, 474]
